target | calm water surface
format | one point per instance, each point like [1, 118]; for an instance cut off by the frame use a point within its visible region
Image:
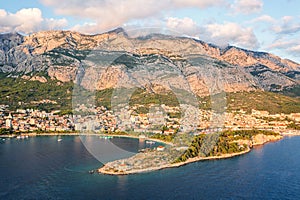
[43, 168]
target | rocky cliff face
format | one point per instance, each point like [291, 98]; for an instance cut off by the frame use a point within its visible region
[247, 58]
[113, 59]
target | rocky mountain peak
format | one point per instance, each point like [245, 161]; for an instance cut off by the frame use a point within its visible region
[60, 53]
[246, 58]
[10, 40]
[118, 31]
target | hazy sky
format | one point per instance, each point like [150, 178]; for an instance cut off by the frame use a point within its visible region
[264, 25]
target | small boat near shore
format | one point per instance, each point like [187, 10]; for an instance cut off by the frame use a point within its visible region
[150, 142]
[106, 137]
[22, 136]
[59, 139]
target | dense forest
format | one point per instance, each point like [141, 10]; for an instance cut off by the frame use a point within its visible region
[217, 144]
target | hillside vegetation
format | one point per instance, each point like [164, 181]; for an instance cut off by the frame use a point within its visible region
[217, 144]
[20, 93]
[260, 100]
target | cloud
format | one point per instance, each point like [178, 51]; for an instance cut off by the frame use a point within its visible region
[247, 6]
[292, 47]
[196, 3]
[289, 29]
[219, 34]
[108, 14]
[280, 44]
[28, 20]
[287, 32]
[287, 26]
[86, 28]
[287, 19]
[263, 18]
[186, 26]
[222, 34]
[295, 49]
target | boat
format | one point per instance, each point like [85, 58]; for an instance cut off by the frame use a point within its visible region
[150, 142]
[59, 139]
[22, 136]
[106, 137]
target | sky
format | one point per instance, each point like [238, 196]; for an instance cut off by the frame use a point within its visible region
[260, 25]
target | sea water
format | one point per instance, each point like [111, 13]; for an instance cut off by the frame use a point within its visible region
[44, 168]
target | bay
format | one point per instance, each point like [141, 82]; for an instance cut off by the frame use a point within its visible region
[43, 168]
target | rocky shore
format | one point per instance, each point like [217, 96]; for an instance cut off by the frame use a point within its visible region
[107, 170]
[145, 162]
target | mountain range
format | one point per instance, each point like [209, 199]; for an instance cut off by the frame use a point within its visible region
[155, 62]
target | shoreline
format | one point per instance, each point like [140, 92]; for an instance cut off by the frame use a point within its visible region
[87, 134]
[291, 133]
[33, 134]
[190, 160]
[170, 165]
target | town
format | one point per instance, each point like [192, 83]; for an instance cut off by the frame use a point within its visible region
[159, 120]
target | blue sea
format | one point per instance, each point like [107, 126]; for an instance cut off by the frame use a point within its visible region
[43, 168]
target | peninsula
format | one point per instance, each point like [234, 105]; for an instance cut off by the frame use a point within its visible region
[203, 147]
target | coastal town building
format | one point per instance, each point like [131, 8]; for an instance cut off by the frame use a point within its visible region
[163, 120]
